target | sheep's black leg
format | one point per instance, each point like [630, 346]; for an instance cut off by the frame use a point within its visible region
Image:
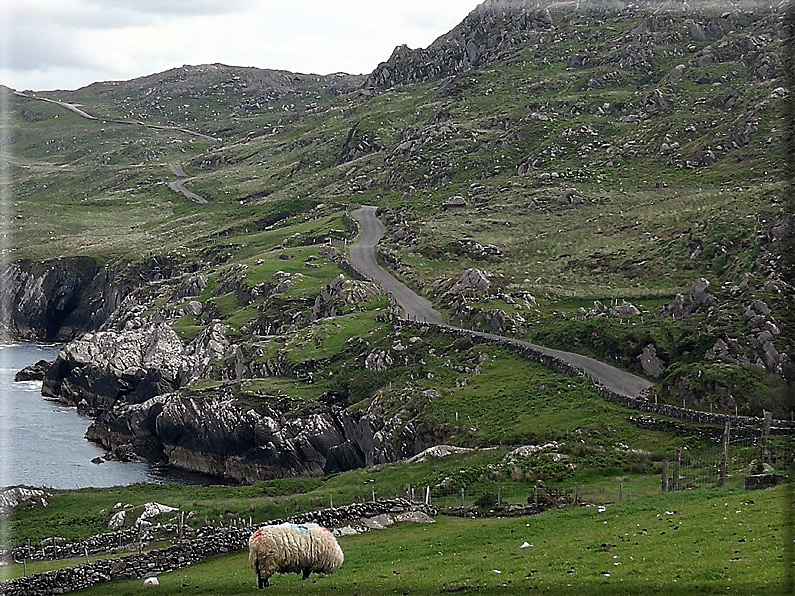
[306, 574]
[260, 583]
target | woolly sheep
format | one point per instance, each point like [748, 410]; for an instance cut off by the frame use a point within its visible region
[291, 548]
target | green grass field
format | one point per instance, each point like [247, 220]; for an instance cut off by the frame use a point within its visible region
[696, 542]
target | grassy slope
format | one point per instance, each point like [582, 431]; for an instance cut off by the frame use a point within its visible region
[101, 187]
[710, 542]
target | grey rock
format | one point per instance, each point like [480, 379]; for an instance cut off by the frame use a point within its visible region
[652, 365]
[676, 73]
[761, 307]
[772, 328]
[626, 310]
[378, 361]
[194, 308]
[454, 202]
[699, 293]
[117, 520]
[471, 281]
[696, 32]
[571, 196]
[191, 286]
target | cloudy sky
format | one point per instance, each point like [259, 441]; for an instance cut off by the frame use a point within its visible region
[65, 44]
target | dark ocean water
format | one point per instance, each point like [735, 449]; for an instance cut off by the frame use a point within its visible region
[42, 442]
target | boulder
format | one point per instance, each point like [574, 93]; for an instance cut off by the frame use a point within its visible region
[626, 310]
[676, 73]
[652, 365]
[571, 196]
[455, 202]
[34, 372]
[117, 520]
[699, 293]
[471, 281]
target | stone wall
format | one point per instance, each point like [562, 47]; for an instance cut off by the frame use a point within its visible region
[207, 542]
[642, 404]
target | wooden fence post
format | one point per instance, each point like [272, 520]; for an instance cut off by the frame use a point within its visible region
[665, 487]
[677, 469]
[765, 446]
[724, 460]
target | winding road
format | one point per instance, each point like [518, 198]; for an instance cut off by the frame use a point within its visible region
[179, 185]
[417, 308]
[74, 107]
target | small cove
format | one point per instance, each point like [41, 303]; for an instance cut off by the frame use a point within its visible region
[42, 443]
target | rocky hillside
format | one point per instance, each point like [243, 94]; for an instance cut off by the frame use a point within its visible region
[607, 179]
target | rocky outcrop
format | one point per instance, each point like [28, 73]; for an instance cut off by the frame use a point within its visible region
[103, 368]
[56, 299]
[12, 498]
[480, 38]
[34, 372]
[214, 434]
[342, 295]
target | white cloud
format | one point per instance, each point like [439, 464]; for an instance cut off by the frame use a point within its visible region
[71, 43]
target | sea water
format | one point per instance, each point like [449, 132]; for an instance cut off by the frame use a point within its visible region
[42, 443]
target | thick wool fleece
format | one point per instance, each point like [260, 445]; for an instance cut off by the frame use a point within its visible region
[291, 548]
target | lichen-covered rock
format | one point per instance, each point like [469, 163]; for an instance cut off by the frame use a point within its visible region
[12, 498]
[652, 364]
[133, 365]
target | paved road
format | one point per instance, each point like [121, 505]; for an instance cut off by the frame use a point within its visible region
[179, 185]
[363, 258]
[417, 308]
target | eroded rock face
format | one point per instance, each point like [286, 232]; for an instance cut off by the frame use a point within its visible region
[472, 44]
[132, 366]
[213, 434]
[56, 299]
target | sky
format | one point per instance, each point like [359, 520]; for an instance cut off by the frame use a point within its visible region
[66, 44]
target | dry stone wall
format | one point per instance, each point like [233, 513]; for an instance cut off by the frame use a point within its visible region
[642, 404]
[206, 543]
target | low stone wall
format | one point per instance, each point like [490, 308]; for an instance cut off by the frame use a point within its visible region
[101, 543]
[642, 404]
[208, 542]
[348, 268]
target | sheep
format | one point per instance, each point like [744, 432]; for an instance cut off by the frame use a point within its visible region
[291, 548]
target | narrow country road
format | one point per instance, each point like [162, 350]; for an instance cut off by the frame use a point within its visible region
[179, 185]
[72, 107]
[363, 258]
[417, 308]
